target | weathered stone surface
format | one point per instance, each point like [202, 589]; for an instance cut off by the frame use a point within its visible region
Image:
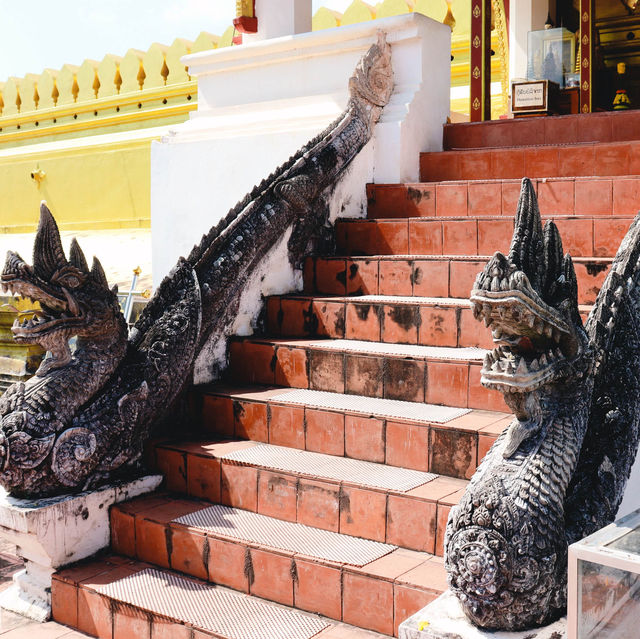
[83, 419]
[558, 472]
[444, 618]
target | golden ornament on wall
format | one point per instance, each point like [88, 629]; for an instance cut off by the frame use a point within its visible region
[476, 11]
[585, 17]
[449, 20]
[476, 104]
[585, 40]
[476, 42]
[476, 73]
[585, 86]
[585, 108]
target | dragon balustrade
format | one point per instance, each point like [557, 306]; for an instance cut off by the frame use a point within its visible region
[82, 420]
[559, 471]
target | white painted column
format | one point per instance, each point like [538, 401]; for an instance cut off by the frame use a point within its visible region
[524, 16]
[278, 18]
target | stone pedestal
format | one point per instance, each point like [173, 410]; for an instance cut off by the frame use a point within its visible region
[51, 533]
[444, 619]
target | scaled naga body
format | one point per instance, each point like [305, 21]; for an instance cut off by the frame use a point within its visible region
[558, 472]
[83, 419]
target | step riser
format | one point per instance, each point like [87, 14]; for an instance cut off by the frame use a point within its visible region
[568, 129]
[435, 325]
[581, 237]
[403, 519]
[77, 603]
[569, 196]
[310, 584]
[451, 383]
[533, 162]
[401, 443]
[407, 277]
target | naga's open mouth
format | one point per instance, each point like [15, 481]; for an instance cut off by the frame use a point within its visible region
[58, 307]
[529, 299]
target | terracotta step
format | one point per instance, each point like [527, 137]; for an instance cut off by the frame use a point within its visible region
[286, 562]
[553, 160]
[584, 196]
[383, 318]
[322, 491]
[452, 448]
[412, 275]
[441, 321]
[405, 372]
[582, 236]
[119, 598]
[585, 127]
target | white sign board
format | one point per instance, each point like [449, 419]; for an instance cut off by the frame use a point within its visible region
[529, 95]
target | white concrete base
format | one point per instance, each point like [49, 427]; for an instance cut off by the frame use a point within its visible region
[444, 619]
[27, 597]
[51, 533]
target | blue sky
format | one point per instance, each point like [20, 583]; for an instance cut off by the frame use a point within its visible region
[39, 34]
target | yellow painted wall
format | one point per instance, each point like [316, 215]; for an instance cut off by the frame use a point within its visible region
[104, 186]
[89, 185]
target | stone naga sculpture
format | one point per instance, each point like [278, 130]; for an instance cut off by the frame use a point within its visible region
[558, 472]
[83, 418]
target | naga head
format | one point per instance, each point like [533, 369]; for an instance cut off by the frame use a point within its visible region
[74, 300]
[529, 298]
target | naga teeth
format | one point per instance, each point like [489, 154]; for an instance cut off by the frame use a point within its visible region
[496, 367]
[534, 365]
[548, 330]
[495, 284]
[497, 333]
[531, 320]
[522, 367]
[16, 323]
[559, 353]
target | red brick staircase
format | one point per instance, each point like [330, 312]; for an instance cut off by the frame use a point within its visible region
[319, 480]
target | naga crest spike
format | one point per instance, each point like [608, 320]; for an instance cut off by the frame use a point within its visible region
[48, 254]
[77, 258]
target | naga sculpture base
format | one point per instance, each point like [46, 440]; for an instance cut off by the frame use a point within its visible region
[444, 618]
[53, 532]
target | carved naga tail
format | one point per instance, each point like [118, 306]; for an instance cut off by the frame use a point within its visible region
[559, 471]
[84, 417]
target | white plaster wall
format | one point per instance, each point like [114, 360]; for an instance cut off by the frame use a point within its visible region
[258, 103]
[631, 499]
